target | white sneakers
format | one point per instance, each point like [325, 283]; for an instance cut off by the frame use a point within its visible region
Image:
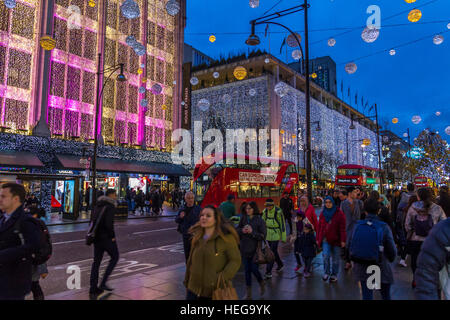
[403, 263]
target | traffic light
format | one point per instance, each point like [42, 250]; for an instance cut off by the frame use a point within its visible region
[315, 179]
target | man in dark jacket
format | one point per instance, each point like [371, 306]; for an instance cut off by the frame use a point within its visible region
[187, 217]
[434, 255]
[105, 240]
[16, 249]
[287, 206]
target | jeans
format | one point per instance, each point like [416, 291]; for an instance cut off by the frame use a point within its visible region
[331, 259]
[100, 247]
[308, 263]
[192, 296]
[297, 258]
[367, 294]
[186, 247]
[274, 247]
[288, 218]
[251, 267]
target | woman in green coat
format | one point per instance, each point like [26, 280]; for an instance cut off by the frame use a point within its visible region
[214, 251]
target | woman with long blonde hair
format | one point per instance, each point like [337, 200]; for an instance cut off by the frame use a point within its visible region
[214, 251]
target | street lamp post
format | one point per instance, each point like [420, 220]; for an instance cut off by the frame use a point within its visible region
[253, 40]
[120, 77]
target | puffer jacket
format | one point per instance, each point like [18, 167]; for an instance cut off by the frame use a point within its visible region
[209, 258]
[417, 207]
[275, 224]
[434, 255]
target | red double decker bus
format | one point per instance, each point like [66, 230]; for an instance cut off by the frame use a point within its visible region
[357, 175]
[248, 182]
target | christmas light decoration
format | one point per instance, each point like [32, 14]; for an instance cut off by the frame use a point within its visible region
[130, 9]
[392, 52]
[405, 135]
[416, 119]
[314, 75]
[226, 98]
[281, 89]
[395, 120]
[267, 60]
[252, 92]
[203, 104]
[438, 113]
[141, 90]
[194, 81]
[91, 3]
[47, 43]
[296, 54]
[370, 35]
[253, 3]
[144, 102]
[331, 42]
[216, 75]
[415, 15]
[240, 73]
[438, 39]
[172, 7]
[212, 38]
[410, 1]
[292, 41]
[10, 4]
[447, 130]
[351, 68]
[156, 89]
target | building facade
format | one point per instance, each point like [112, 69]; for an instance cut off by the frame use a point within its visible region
[253, 103]
[196, 57]
[48, 96]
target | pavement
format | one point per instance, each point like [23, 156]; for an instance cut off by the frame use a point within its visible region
[166, 283]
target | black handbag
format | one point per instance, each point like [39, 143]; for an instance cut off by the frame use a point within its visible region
[90, 236]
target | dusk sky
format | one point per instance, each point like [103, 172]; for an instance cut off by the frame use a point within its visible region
[415, 81]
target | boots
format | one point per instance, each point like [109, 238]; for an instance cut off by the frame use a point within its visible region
[262, 287]
[249, 293]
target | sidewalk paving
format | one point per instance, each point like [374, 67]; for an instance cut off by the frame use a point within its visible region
[167, 284]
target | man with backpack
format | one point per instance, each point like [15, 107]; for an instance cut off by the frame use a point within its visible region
[352, 208]
[372, 244]
[19, 241]
[420, 219]
[276, 231]
[433, 264]
[104, 241]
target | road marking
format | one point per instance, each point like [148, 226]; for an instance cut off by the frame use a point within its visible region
[149, 231]
[68, 241]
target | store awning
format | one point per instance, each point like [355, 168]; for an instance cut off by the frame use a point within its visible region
[115, 165]
[12, 158]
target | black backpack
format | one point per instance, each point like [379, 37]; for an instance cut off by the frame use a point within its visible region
[422, 225]
[45, 245]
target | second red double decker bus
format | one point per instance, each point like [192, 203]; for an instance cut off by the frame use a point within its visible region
[247, 182]
[357, 175]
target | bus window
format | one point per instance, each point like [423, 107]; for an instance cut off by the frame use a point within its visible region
[244, 191]
[274, 191]
[349, 172]
[265, 192]
[256, 192]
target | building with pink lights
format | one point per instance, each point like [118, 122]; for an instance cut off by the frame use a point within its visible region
[47, 97]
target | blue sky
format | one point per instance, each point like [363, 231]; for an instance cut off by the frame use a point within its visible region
[416, 81]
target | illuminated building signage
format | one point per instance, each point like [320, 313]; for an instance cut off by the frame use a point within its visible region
[256, 177]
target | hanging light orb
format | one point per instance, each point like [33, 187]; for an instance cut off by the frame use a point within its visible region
[139, 49]
[331, 42]
[294, 136]
[144, 102]
[156, 89]
[392, 52]
[296, 54]
[267, 60]
[216, 75]
[438, 39]
[416, 119]
[448, 25]
[395, 120]
[174, 82]
[410, 1]
[164, 107]
[282, 131]
[447, 130]
[130, 9]
[226, 98]
[212, 38]
[47, 43]
[314, 75]
[415, 15]
[172, 7]
[292, 41]
[10, 4]
[252, 92]
[281, 89]
[240, 73]
[183, 103]
[144, 80]
[131, 41]
[341, 151]
[203, 104]
[142, 65]
[139, 71]
[141, 89]
[366, 142]
[253, 3]
[371, 34]
[91, 3]
[438, 113]
[405, 135]
[351, 68]
[194, 81]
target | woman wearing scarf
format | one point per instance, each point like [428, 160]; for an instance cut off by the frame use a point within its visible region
[308, 210]
[331, 237]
